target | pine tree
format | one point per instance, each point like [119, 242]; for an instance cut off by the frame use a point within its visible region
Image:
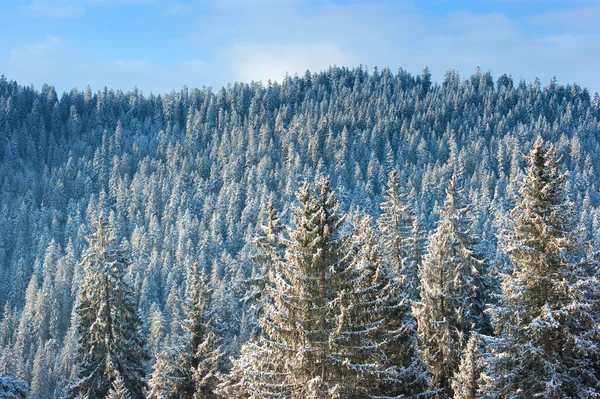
[546, 318]
[109, 341]
[269, 249]
[376, 335]
[465, 384]
[335, 322]
[188, 366]
[293, 358]
[451, 304]
[396, 223]
[118, 390]
[156, 331]
[413, 261]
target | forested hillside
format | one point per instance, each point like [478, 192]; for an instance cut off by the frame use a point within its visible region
[206, 213]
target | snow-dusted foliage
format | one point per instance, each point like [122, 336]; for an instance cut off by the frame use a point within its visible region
[269, 249]
[13, 389]
[547, 316]
[466, 381]
[299, 316]
[396, 226]
[109, 341]
[118, 390]
[451, 299]
[336, 322]
[188, 367]
[194, 177]
[376, 336]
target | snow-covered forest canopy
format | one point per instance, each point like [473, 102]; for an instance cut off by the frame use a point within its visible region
[343, 234]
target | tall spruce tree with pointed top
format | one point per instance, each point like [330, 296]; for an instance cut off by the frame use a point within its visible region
[395, 224]
[269, 249]
[293, 356]
[300, 316]
[451, 303]
[376, 337]
[110, 343]
[336, 322]
[188, 366]
[546, 319]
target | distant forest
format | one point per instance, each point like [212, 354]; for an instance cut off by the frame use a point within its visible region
[343, 234]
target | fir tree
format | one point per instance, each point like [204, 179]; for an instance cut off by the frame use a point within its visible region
[546, 318]
[416, 242]
[451, 304]
[118, 390]
[109, 344]
[376, 336]
[269, 250]
[335, 323]
[294, 357]
[188, 366]
[396, 223]
[465, 384]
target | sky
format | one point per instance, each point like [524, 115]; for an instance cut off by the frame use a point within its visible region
[159, 46]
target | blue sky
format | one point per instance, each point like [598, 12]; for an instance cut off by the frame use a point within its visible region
[163, 45]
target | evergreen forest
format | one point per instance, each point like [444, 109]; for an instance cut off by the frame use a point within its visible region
[348, 234]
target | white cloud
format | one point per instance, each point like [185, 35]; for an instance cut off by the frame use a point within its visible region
[576, 19]
[251, 61]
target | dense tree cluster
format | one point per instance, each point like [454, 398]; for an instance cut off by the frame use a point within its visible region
[187, 244]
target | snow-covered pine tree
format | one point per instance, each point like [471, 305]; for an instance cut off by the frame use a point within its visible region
[292, 358]
[269, 249]
[207, 374]
[376, 338]
[156, 333]
[13, 389]
[336, 323]
[204, 338]
[108, 331]
[466, 382]
[188, 366]
[546, 317]
[395, 224]
[417, 243]
[251, 369]
[451, 304]
[118, 390]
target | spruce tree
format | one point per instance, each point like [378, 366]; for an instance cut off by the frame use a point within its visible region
[188, 366]
[294, 352]
[466, 381]
[109, 343]
[451, 304]
[396, 224]
[376, 334]
[118, 390]
[546, 318]
[336, 322]
[268, 250]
